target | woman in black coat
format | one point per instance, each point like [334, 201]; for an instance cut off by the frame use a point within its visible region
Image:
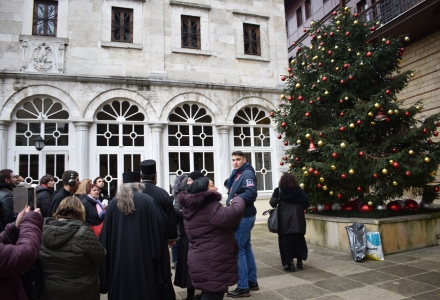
[291, 201]
[44, 194]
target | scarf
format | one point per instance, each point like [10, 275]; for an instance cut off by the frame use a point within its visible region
[234, 173]
[99, 208]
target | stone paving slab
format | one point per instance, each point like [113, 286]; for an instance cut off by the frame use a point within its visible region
[332, 275]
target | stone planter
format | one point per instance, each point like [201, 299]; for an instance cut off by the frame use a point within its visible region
[398, 234]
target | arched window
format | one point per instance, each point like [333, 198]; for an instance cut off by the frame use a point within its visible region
[252, 136]
[190, 141]
[45, 117]
[120, 140]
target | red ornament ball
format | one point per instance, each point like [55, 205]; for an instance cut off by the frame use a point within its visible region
[334, 13]
[361, 153]
[339, 196]
[396, 165]
[435, 133]
[296, 158]
[375, 176]
[347, 33]
[359, 189]
[394, 206]
[272, 114]
[341, 101]
[311, 102]
[387, 43]
[358, 122]
[316, 173]
[436, 189]
[319, 186]
[394, 150]
[279, 136]
[321, 134]
[283, 78]
[342, 114]
[311, 170]
[307, 114]
[341, 129]
[408, 174]
[343, 176]
[342, 81]
[320, 64]
[388, 92]
[324, 79]
[350, 77]
[284, 124]
[348, 207]
[364, 207]
[425, 131]
[369, 54]
[289, 98]
[328, 206]
[410, 204]
[407, 114]
[281, 163]
[286, 143]
[332, 34]
[334, 155]
[300, 98]
[284, 157]
[429, 141]
[346, 66]
[289, 70]
[329, 52]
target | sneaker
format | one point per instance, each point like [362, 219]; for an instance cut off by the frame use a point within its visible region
[253, 286]
[237, 293]
[173, 266]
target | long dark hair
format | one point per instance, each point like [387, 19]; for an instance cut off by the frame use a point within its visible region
[288, 180]
[201, 184]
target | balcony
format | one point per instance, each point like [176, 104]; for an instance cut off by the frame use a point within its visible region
[417, 18]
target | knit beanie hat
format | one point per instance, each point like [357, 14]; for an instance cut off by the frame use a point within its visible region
[195, 174]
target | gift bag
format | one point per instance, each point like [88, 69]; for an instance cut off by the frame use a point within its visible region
[357, 241]
[374, 246]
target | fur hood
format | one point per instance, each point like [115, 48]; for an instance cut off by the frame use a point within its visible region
[294, 195]
[191, 203]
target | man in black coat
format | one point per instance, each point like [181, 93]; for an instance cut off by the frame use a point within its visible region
[8, 182]
[138, 262]
[70, 185]
[163, 199]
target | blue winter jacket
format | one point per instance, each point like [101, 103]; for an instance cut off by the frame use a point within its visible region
[245, 186]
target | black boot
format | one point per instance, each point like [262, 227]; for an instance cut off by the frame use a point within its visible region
[253, 286]
[239, 293]
[290, 268]
[299, 263]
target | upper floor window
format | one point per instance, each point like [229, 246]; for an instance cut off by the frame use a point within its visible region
[299, 17]
[45, 18]
[122, 25]
[190, 32]
[308, 9]
[361, 6]
[251, 38]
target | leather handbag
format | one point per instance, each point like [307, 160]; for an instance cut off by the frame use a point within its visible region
[272, 221]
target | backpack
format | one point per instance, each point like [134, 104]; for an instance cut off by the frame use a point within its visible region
[33, 280]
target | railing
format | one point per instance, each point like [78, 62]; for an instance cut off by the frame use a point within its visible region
[384, 11]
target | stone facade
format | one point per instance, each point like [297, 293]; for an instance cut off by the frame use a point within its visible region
[83, 70]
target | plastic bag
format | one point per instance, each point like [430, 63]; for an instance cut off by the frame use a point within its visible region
[374, 246]
[357, 241]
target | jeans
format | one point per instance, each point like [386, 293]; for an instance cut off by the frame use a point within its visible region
[175, 251]
[247, 269]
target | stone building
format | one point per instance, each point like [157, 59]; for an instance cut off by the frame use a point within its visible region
[107, 84]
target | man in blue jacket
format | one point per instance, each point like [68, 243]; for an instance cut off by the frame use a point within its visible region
[243, 183]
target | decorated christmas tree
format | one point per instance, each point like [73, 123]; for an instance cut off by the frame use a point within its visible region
[348, 135]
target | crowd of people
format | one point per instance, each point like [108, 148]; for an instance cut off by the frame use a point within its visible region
[87, 244]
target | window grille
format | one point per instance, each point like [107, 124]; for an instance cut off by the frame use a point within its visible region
[251, 38]
[190, 32]
[45, 18]
[122, 25]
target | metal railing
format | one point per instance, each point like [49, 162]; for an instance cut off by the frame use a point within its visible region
[384, 11]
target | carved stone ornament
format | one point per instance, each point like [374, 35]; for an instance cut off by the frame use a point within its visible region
[43, 54]
[42, 58]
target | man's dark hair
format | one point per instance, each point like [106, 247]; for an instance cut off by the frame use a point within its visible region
[96, 179]
[149, 176]
[238, 153]
[5, 174]
[67, 175]
[201, 184]
[46, 178]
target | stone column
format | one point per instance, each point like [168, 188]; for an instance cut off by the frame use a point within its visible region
[157, 151]
[82, 149]
[4, 125]
[224, 163]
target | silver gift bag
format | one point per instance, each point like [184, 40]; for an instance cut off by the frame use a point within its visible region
[357, 239]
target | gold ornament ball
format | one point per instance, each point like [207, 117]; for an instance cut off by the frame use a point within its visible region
[427, 159]
[418, 107]
[336, 47]
[319, 37]
[396, 112]
[384, 40]
[377, 23]
[320, 143]
[321, 179]
[332, 61]
[333, 167]
[352, 125]
[346, 8]
[355, 22]
[331, 193]
[337, 69]
[303, 64]
[370, 114]
[398, 71]
[362, 64]
[395, 183]
[297, 85]
[412, 75]
[370, 203]
[346, 98]
[298, 142]
[411, 152]
[282, 96]
[301, 185]
[291, 166]
[303, 168]
[292, 62]
[391, 162]
[324, 187]
[377, 105]
[326, 93]
[351, 171]
[343, 145]
[308, 135]
[338, 22]
[373, 123]
[306, 173]
[349, 49]
[312, 23]
[407, 39]
[358, 54]
[390, 112]
[311, 47]
[278, 110]
[384, 171]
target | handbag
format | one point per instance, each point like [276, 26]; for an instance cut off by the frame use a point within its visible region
[272, 221]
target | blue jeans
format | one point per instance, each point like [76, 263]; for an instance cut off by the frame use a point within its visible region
[247, 269]
[175, 251]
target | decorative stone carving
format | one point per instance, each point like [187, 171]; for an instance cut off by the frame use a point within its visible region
[43, 54]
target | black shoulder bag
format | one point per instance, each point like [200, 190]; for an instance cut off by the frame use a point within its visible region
[272, 222]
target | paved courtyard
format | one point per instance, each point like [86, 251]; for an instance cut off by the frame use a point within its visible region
[332, 275]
